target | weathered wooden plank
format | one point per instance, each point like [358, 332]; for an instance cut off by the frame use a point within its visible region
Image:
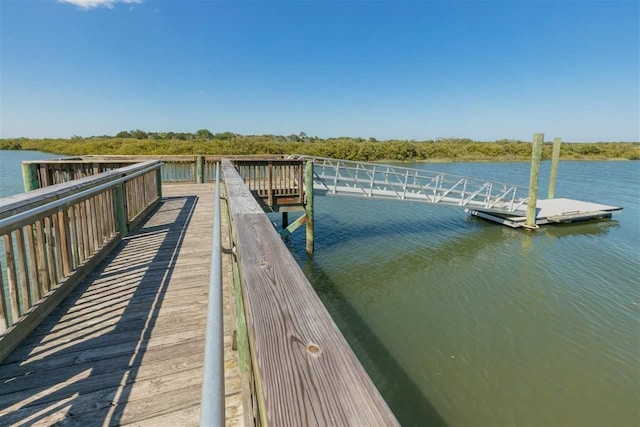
[52, 263]
[92, 408]
[34, 276]
[236, 190]
[43, 261]
[4, 309]
[37, 313]
[57, 246]
[98, 336]
[306, 373]
[75, 239]
[21, 268]
[122, 321]
[65, 244]
[94, 339]
[12, 281]
[36, 379]
[58, 380]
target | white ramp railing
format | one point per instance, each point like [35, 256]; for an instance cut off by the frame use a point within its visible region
[372, 180]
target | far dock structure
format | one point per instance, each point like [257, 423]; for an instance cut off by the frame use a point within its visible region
[132, 294]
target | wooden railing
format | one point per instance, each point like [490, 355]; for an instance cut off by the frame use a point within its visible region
[175, 169]
[275, 181]
[52, 237]
[301, 370]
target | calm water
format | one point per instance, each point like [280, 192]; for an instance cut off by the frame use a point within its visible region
[461, 322]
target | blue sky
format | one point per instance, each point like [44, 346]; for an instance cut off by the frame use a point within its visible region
[411, 70]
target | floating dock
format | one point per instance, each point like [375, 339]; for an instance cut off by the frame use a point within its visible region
[552, 211]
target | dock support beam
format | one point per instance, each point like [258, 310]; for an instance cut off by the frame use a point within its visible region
[536, 156]
[285, 220]
[30, 176]
[308, 185]
[555, 158]
[200, 170]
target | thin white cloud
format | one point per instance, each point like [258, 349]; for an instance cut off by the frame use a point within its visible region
[91, 4]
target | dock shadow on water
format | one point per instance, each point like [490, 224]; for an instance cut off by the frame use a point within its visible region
[403, 396]
[80, 365]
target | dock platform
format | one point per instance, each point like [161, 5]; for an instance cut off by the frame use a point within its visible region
[553, 211]
[126, 347]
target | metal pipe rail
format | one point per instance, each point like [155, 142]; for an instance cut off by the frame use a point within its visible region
[58, 234]
[212, 401]
[371, 180]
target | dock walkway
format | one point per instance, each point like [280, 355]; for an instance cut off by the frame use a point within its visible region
[126, 347]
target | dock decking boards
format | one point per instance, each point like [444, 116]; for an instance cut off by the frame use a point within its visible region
[126, 347]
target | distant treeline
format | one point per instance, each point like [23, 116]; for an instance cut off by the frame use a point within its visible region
[205, 142]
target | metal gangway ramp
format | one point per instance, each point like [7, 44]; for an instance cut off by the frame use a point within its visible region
[496, 201]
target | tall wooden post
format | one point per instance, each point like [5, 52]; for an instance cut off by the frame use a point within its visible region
[30, 176]
[200, 170]
[536, 156]
[120, 210]
[159, 182]
[308, 184]
[285, 220]
[555, 158]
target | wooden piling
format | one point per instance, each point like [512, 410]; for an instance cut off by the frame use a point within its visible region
[308, 184]
[30, 176]
[555, 158]
[200, 170]
[536, 156]
[285, 220]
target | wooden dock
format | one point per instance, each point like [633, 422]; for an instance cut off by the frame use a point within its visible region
[126, 347]
[103, 319]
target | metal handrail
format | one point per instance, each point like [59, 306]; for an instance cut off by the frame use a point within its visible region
[372, 180]
[212, 401]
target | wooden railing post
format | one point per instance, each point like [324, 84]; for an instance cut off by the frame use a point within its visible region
[120, 210]
[308, 177]
[30, 176]
[270, 183]
[159, 183]
[200, 170]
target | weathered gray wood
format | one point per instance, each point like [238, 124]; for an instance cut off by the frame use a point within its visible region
[14, 335]
[43, 261]
[75, 239]
[24, 201]
[243, 200]
[4, 320]
[51, 254]
[126, 345]
[34, 276]
[14, 298]
[21, 268]
[305, 372]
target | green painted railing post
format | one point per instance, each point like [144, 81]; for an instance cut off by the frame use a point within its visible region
[159, 182]
[121, 210]
[555, 158]
[308, 184]
[536, 156]
[200, 170]
[30, 176]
